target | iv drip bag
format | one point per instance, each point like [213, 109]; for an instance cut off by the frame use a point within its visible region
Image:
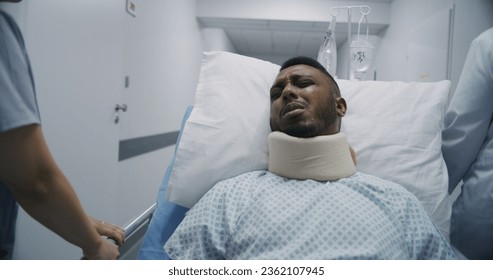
[361, 53]
[327, 54]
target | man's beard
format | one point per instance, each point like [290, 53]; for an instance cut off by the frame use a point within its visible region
[313, 129]
[303, 131]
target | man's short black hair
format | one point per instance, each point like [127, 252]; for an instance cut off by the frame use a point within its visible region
[313, 63]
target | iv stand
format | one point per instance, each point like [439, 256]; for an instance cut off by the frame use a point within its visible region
[364, 10]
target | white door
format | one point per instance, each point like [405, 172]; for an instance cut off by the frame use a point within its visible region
[76, 53]
[154, 98]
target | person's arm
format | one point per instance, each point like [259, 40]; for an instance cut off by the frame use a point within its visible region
[469, 115]
[40, 187]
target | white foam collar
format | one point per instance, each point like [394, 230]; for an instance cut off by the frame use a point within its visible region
[322, 158]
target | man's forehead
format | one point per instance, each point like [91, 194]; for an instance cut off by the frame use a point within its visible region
[298, 69]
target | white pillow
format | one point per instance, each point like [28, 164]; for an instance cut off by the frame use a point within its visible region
[394, 127]
[226, 133]
[395, 130]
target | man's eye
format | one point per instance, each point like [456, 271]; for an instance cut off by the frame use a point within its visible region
[304, 83]
[274, 94]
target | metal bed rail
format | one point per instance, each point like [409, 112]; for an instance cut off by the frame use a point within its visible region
[132, 227]
[134, 234]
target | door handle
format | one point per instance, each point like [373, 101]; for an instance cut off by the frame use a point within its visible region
[122, 107]
[118, 108]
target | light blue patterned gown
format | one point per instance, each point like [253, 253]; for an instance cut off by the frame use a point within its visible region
[259, 215]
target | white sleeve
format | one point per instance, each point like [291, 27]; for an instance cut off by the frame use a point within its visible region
[470, 112]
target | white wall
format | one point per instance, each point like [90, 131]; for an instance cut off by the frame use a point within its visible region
[394, 57]
[277, 59]
[216, 39]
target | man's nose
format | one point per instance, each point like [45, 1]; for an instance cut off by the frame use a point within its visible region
[289, 92]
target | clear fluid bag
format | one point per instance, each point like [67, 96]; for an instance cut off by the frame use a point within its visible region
[361, 53]
[327, 54]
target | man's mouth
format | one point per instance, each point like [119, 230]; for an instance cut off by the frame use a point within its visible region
[292, 110]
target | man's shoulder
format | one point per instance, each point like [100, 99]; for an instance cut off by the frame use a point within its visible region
[251, 175]
[244, 180]
[379, 183]
[365, 177]
[485, 38]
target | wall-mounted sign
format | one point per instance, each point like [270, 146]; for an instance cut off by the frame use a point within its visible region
[132, 7]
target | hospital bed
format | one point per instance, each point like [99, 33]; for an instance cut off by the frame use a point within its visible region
[397, 138]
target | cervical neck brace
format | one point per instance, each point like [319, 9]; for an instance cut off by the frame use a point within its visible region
[322, 158]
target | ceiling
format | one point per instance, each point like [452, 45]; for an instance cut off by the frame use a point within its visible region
[282, 37]
[286, 38]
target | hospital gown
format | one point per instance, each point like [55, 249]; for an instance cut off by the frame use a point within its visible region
[260, 215]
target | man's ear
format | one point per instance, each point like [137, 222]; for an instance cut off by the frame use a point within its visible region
[341, 106]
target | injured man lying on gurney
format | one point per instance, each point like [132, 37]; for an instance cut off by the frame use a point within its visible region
[311, 203]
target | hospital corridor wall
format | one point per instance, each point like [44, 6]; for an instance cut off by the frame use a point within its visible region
[428, 41]
[88, 56]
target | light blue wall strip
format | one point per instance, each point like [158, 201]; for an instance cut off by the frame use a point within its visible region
[137, 146]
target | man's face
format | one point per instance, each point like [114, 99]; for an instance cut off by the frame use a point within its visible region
[302, 104]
